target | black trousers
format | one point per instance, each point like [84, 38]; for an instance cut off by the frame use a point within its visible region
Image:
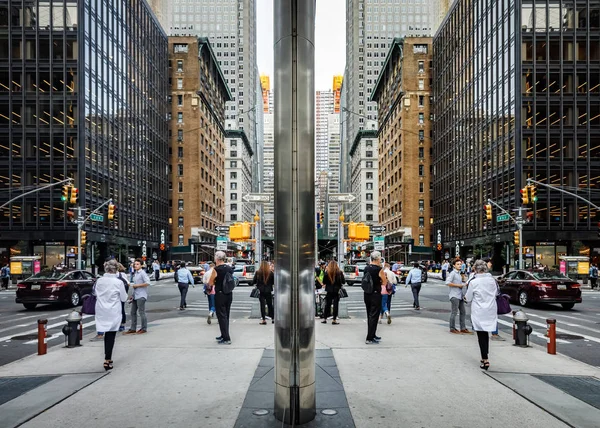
[123, 315]
[156, 275]
[331, 298]
[183, 290]
[483, 338]
[5, 282]
[266, 298]
[109, 344]
[416, 289]
[223, 307]
[593, 282]
[373, 306]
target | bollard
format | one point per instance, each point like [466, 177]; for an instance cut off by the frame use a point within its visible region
[42, 346]
[514, 326]
[551, 335]
[81, 330]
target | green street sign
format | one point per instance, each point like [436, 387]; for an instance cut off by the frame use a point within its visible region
[502, 217]
[96, 217]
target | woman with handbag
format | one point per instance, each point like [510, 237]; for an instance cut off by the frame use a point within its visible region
[481, 293]
[264, 280]
[110, 293]
[333, 281]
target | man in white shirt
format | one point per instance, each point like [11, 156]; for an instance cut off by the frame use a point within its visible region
[444, 270]
[392, 279]
[156, 269]
[140, 295]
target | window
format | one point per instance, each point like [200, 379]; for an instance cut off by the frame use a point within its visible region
[421, 118]
[180, 65]
[180, 135]
[421, 170]
[369, 217]
[421, 135]
[180, 48]
[233, 217]
[369, 175]
[180, 187]
[233, 143]
[369, 154]
[233, 153]
[233, 207]
[421, 187]
[180, 170]
[420, 49]
[180, 205]
[421, 240]
[369, 186]
[179, 83]
[180, 117]
[369, 207]
[421, 84]
[233, 164]
[369, 143]
[179, 100]
[369, 196]
[421, 152]
[233, 185]
[421, 221]
[180, 240]
[179, 152]
[369, 164]
[233, 196]
[421, 204]
[180, 222]
[421, 101]
[233, 175]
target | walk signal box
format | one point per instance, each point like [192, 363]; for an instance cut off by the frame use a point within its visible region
[240, 231]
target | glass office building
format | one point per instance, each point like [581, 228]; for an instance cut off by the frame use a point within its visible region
[83, 95]
[517, 96]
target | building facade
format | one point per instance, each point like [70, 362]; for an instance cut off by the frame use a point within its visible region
[403, 92]
[71, 107]
[518, 100]
[333, 161]
[268, 154]
[238, 177]
[197, 127]
[323, 108]
[364, 155]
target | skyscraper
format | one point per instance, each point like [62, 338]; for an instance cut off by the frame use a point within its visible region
[268, 154]
[323, 108]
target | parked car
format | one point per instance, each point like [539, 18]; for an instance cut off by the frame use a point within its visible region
[244, 273]
[51, 286]
[353, 274]
[527, 287]
[402, 273]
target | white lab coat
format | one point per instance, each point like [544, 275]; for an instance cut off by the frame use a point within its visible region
[481, 293]
[110, 292]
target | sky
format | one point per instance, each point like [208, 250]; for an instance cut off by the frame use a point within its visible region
[330, 40]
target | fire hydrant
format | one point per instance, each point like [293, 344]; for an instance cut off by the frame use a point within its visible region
[523, 329]
[71, 330]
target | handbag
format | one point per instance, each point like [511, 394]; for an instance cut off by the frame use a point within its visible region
[343, 293]
[89, 304]
[255, 293]
[503, 304]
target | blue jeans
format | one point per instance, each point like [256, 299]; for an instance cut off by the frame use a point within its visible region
[384, 303]
[211, 302]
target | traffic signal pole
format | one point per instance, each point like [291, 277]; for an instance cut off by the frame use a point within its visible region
[519, 222]
[529, 180]
[68, 180]
[80, 222]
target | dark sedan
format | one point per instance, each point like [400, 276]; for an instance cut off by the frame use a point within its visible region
[527, 287]
[55, 287]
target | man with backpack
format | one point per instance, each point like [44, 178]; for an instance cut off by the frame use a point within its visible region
[593, 275]
[373, 279]
[5, 275]
[223, 282]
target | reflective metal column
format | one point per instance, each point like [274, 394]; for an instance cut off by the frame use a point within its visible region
[294, 211]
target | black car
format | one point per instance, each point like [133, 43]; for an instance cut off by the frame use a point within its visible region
[51, 286]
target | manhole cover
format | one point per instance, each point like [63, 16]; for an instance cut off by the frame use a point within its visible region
[25, 337]
[565, 336]
[439, 311]
[261, 412]
[157, 311]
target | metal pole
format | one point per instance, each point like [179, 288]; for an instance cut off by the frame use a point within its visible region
[520, 226]
[341, 250]
[294, 29]
[79, 227]
[69, 180]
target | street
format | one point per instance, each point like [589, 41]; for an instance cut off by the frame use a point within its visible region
[578, 330]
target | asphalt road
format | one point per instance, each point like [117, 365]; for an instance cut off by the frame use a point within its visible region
[578, 329]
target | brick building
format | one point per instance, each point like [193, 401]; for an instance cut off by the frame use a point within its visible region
[196, 128]
[403, 93]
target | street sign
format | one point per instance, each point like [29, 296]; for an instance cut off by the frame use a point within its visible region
[379, 243]
[502, 217]
[378, 229]
[341, 197]
[222, 228]
[96, 217]
[222, 243]
[257, 197]
[439, 238]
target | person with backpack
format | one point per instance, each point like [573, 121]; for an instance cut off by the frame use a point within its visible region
[222, 280]
[264, 280]
[333, 281]
[593, 275]
[5, 275]
[373, 279]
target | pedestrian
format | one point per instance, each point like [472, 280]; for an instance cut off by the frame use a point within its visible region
[392, 281]
[372, 300]
[184, 279]
[131, 271]
[122, 276]
[414, 280]
[222, 274]
[209, 290]
[456, 295]
[444, 270]
[593, 275]
[110, 293]
[5, 275]
[481, 293]
[319, 276]
[156, 270]
[139, 298]
[333, 280]
[264, 279]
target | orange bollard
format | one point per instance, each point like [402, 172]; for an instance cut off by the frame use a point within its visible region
[514, 326]
[42, 346]
[551, 335]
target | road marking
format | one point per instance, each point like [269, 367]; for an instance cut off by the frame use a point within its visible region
[10, 317]
[35, 330]
[535, 333]
[55, 336]
[593, 339]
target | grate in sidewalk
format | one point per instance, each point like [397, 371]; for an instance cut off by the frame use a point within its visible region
[584, 388]
[13, 387]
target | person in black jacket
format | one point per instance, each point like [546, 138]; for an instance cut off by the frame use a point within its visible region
[333, 281]
[373, 300]
[264, 280]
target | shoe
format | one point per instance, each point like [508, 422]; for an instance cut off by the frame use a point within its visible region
[334, 322]
[418, 308]
[371, 342]
[263, 322]
[389, 317]
[324, 321]
[129, 332]
[122, 328]
[219, 338]
[465, 331]
[97, 338]
[498, 338]
[185, 305]
[140, 331]
[377, 338]
[181, 308]
[224, 342]
[485, 365]
[208, 319]
[414, 306]
[454, 331]
[108, 365]
[272, 321]
[212, 314]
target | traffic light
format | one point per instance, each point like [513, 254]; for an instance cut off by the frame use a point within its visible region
[246, 230]
[362, 232]
[322, 217]
[111, 211]
[516, 237]
[488, 211]
[74, 196]
[65, 193]
[235, 232]
[352, 230]
[525, 195]
[318, 220]
[83, 237]
[533, 193]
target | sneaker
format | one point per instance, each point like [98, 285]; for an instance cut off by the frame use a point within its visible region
[212, 314]
[121, 328]
[465, 331]
[498, 338]
[379, 321]
[454, 331]
[181, 308]
[371, 342]
[389, 317]
[224, 342]
[218, 339]
[208, 319]
[140, 331]
[129, 332]
[377, 338]
[97, 338]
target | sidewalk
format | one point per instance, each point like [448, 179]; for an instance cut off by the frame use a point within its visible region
[418, 376]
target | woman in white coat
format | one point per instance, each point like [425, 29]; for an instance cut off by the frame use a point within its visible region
[110, 292]
[481, 293]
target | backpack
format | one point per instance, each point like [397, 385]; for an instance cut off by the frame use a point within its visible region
[125, 283]
[367, 283]
[228, 283]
